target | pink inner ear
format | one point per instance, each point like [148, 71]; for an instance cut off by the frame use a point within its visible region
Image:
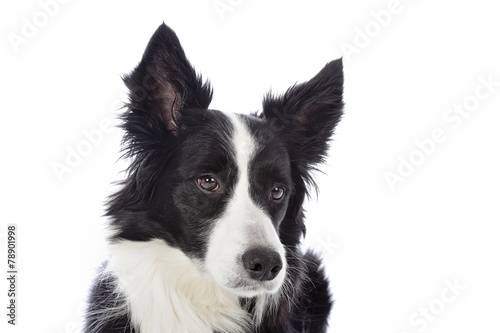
[308, 116]
[168, 100]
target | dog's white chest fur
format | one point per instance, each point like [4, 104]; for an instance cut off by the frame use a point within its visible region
[165, 292]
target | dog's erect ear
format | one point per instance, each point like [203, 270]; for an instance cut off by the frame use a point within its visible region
[164, 82]
[307, 113]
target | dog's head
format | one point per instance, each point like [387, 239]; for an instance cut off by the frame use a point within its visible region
[226, 189]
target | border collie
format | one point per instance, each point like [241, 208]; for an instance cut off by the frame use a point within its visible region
[206, 227]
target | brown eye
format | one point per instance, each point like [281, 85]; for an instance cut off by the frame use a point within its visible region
[277, 193]
[208, 183]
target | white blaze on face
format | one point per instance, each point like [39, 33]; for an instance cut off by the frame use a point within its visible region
[243, 226]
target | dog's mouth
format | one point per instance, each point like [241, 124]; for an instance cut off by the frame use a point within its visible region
[245, 287]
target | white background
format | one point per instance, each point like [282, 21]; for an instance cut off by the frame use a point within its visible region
[390, 253]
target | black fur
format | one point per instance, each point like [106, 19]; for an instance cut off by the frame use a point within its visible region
[171, 137]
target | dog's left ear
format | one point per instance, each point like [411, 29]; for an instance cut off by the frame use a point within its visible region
[307, 113]
[164, 82]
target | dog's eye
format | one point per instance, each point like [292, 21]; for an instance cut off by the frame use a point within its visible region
[277, 193]
[208, 183]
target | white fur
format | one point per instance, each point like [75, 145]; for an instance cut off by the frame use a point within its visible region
[243, 226]
[165, 291]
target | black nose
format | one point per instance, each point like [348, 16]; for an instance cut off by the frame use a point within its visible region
[262, 264]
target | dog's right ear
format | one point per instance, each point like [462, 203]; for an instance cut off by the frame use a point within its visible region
[307, 113]
[164, 83]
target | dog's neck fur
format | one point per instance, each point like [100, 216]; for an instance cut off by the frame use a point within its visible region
[165, 292]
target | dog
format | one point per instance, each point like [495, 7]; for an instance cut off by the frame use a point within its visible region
[205, 230]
